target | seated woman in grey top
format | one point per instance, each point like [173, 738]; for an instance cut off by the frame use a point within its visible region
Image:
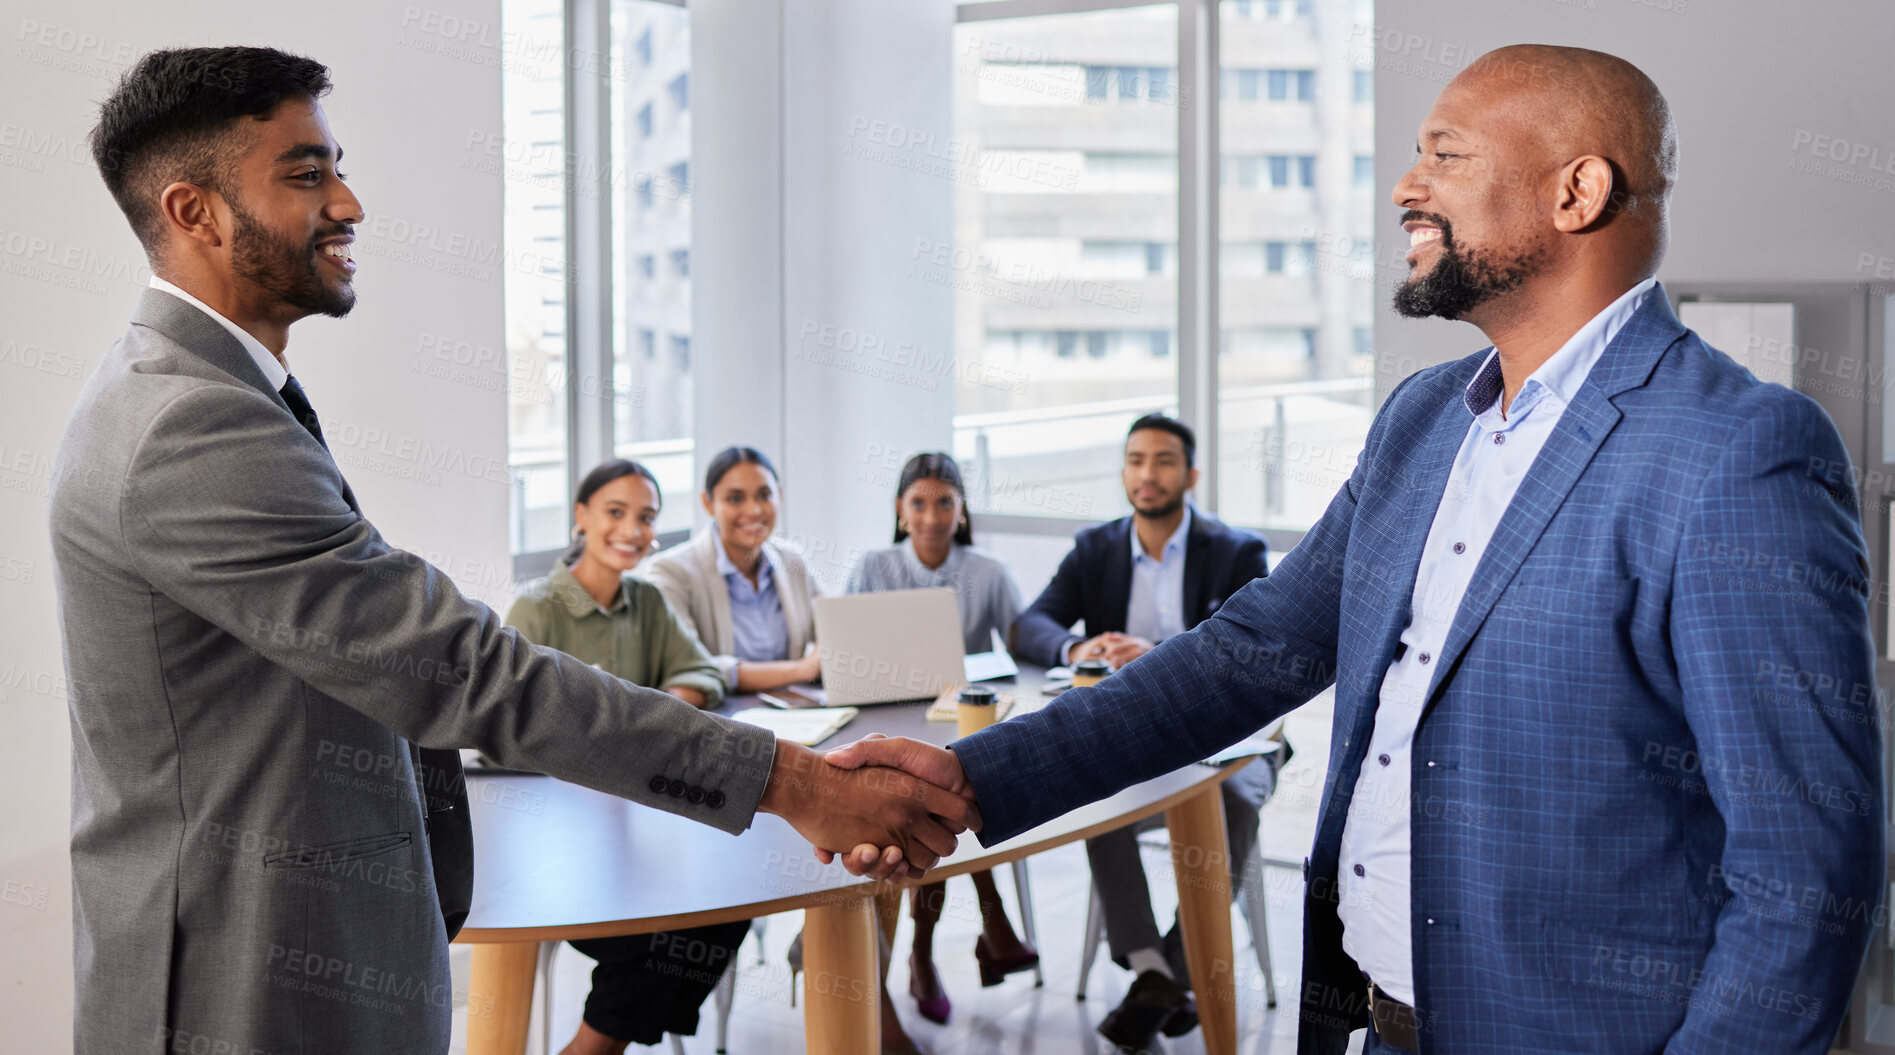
[745, 597]
[934, 546]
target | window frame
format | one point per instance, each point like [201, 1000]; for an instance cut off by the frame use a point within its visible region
[1200, 174]
[1199, 169]
[590, 425]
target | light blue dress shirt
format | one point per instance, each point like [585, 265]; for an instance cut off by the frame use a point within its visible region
[1156, 608]
[757, 629]
[1496, 455]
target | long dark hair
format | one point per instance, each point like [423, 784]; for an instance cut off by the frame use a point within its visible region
[934, 466]
[731, 457]
[604, 473]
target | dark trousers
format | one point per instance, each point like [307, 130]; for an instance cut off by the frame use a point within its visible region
[1119, 872]
[647, 985]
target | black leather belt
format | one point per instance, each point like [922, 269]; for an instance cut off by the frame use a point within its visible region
[1395, 1021]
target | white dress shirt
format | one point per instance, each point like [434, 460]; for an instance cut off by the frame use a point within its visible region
[1155, 610]
[275, 372]
[1498, 451]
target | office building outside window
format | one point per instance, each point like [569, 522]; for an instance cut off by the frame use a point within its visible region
[534, 291]
[651, 254]
[1294, 371]
[1065, 262]
[1065, 254]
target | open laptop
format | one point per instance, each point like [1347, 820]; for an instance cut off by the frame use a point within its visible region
[890, 646]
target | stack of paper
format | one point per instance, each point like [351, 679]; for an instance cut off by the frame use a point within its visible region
[808, 726]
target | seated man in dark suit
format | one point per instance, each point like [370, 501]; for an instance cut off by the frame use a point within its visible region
[1134, 582]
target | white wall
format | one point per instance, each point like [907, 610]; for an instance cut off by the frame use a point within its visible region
[821, 132]
[404, 110]
[1752, 85]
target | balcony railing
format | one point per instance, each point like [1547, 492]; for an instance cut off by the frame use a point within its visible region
[1053, 461]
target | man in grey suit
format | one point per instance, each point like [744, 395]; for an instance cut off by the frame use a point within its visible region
[270, 845]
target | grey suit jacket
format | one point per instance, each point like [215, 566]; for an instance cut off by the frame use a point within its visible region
[689, 579]
[253, 671]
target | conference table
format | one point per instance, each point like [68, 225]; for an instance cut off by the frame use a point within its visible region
[556, 861]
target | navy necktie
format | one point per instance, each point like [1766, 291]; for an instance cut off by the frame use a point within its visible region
[292, 394]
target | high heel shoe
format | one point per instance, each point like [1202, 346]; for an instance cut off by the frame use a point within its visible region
[994, 970]
[796, 964]
[933, 1008]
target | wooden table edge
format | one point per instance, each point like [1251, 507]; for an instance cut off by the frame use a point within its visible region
[853, 891]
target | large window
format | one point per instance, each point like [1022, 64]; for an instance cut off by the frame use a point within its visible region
[1066, 256]
[1296, 286]
[620, 189]
[651, 246]
[534, 231]
[1111, 255]
[1070, 222]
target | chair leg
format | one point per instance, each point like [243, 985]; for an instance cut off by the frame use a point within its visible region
[677, 1045]
[1095, 930]
[1024, 891]
[1256, 903]
[549, 955]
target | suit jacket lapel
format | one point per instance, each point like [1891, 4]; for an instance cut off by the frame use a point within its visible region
[1627, 363]
[1416, 491]
[724, 638]
[1115, 586]
[1568, 450]
[1197, 579]
[203, 337]
[200, 335]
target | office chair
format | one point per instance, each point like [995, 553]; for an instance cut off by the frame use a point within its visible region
[1254, 903]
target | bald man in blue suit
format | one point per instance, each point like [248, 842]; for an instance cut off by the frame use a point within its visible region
[1606, 764]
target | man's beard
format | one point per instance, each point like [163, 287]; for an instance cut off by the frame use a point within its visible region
[1171, 505]
[1462, 280]
[285, 268]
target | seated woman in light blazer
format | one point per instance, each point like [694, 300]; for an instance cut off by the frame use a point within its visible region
[934, 546]
[590, 608]
[745, 597]
[748, 600]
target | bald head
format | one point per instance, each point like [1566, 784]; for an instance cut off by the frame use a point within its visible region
[1572, 102]
[1541, 172]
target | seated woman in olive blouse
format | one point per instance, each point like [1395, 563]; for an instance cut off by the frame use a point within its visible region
[591, 609]
[934, 546]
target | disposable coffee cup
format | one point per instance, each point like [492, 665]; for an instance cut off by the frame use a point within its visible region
[974, 709]
[1090, 672]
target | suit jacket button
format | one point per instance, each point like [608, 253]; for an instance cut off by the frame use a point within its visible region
[675, 789]
[695, 795]
[659, 784]
[715, 800]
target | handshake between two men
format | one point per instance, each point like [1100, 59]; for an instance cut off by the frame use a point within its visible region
[889, 808]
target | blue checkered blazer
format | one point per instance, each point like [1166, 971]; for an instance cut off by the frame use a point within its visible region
[1647, 801]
